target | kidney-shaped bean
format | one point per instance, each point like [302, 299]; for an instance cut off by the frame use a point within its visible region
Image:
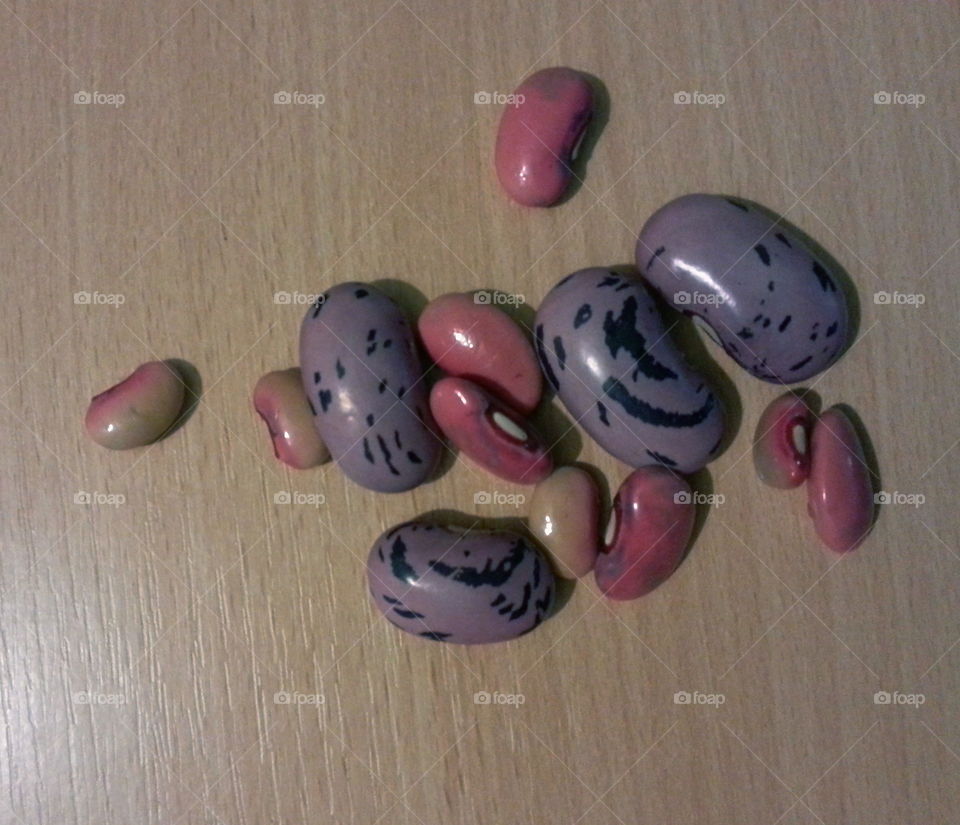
[770, 303]
[540, 134]
[464, 587]
[781, 452]
[363, 377]
[604, 348]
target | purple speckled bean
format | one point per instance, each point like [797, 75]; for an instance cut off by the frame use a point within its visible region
[604, 348]
[459, 586]
[363, 378]
[776, 309]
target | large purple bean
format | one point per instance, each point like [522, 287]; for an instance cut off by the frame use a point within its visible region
[459, 586]
[363, 377]
[604, 348]
[776, 309]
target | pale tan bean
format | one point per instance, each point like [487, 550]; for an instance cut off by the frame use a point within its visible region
[564, 516]
[281, 402]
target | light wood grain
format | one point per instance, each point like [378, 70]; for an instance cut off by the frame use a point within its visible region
[187, 608]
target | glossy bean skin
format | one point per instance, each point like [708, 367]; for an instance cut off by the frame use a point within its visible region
[280, 401]
[769, 302]
[604, 348]
[138, 410]
[539, 137]
[463, 587]
[489, 432]
[650, 528]
[363, 378]
[781, 443]
[481, 342]
[839, 489]
[564, 517]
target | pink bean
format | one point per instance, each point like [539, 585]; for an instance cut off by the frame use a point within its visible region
[138, 410]
[648, 533]
[781, 454]
[280, 401]
[489, 432]
[839, 490]
[540, 134]
[472, 339]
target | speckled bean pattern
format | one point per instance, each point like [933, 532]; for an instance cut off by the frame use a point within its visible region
[464, 587]
[363, 377]
[773, 306]
[603, 346]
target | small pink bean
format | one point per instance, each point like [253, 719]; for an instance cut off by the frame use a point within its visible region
[648, 533]
[138, 410]
[540, 134]
[280, 401]
[475, 340]
[489, 432]
[564, 516]
[780, 447]
[839, 490]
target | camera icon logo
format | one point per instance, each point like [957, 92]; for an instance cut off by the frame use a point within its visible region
[881, 297]
[682, 497]
[482, 297]
[881, 697]
[481, 698]
[681, 697]
[481, 98]
[482, 497]
[883, 497]
[83, 98]
[882, 98]
[282, 98]
[281, 497]
[682, 98]
[282, 297]
[681, 297]
[82, 497]
[81, 297]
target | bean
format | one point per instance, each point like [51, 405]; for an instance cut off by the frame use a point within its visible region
[489, 432]
[755, 286]
[138, 410]
[781, 453]
[839, 489]
[364, 380]
[479, 341]
[464, 587]
[603, 346]
[280, 401]
[564, 517]
[648, 533]
[540, 135]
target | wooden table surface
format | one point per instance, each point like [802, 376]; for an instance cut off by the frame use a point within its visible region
[179, 645]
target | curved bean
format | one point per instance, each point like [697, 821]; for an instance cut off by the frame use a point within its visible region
[767, 300]
[363, 378]
[280, 401]
[781, 452]
[604, 348]
[564, 517]
[540, 134]
[463, 587]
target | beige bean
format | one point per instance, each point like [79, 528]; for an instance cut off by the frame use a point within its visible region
[564, 516]
[280, 401]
